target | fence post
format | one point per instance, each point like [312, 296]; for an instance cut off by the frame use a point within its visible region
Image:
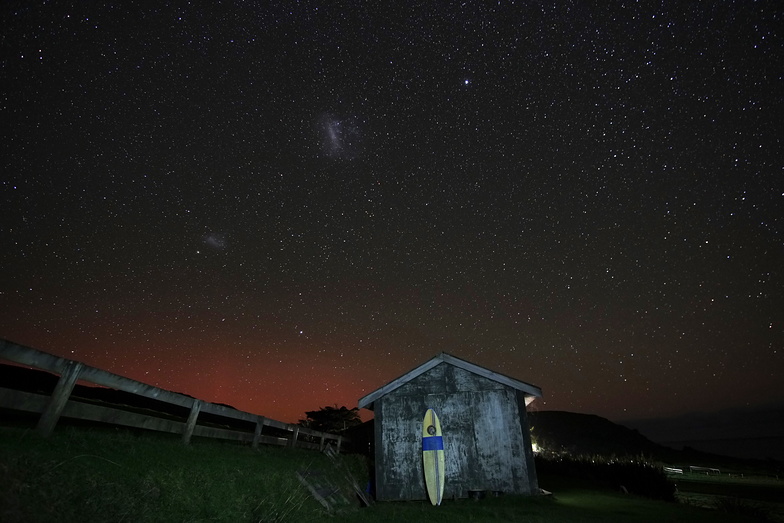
[340, 440]
[191, 423]
[59, 398]
[294, 434]
[257, 431]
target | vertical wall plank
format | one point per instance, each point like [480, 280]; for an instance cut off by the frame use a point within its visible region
[189, 426]
[60, 395]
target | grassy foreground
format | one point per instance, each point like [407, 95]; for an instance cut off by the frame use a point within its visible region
[90, 475]
[111, 475]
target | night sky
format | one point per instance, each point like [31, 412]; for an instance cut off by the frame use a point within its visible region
[286, 207]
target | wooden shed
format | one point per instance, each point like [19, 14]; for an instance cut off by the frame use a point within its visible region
[487, 441]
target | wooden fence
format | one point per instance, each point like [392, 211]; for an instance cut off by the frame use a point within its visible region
[62, 404]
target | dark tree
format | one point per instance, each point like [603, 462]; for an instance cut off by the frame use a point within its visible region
[331, 419]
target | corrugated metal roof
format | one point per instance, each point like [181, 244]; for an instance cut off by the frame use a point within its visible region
[531, 391]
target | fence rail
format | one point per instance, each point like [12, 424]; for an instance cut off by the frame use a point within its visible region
[62, 404]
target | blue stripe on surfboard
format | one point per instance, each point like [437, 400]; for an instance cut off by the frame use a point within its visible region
[432, 443]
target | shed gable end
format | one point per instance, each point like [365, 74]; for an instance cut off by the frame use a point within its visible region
[447, 379]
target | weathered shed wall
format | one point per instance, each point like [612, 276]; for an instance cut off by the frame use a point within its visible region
[486, 438]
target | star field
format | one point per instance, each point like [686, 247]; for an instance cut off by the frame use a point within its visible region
[285, 207]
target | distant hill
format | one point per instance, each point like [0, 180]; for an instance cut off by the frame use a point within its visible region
[747, 432]
[27, 379]
[588, 434]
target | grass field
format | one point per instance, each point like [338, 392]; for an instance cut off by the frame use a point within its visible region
[749, 487]
[750, 494]
[112, 475]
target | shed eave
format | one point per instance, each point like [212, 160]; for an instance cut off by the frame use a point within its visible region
[531, 391]
[366, 402]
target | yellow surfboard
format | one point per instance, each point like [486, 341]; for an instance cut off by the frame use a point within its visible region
[433, 457]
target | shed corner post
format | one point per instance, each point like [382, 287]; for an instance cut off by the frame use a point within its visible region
[380, 464]
[59, 398]
[191, 423]
[530, 462]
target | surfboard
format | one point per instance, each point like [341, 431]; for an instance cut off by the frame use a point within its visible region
[433, 457]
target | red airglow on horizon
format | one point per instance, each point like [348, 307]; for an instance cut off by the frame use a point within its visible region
[281, 375]
[282, 389]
